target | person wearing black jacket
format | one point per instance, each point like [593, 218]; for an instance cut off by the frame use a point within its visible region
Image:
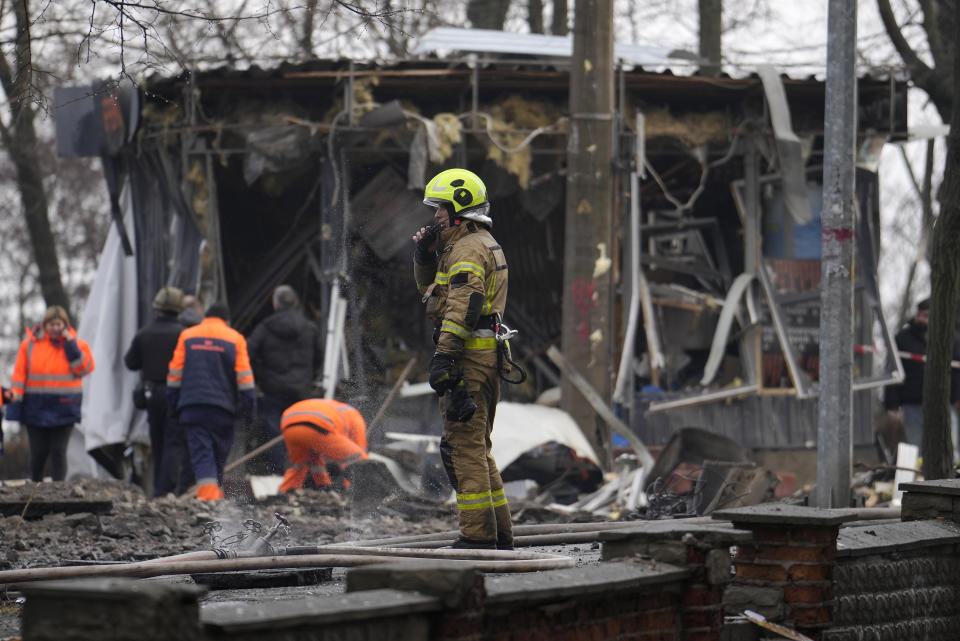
[286, 350]
[906, 400]
[150, 353]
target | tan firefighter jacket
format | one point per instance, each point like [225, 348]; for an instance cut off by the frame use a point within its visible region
[466, 286]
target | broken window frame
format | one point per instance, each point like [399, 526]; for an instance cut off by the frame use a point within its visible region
[808, 388]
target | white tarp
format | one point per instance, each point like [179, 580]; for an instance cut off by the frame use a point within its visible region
[520, 427]
[108, 324]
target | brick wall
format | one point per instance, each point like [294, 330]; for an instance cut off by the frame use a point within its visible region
[633, 614]
[625, 601]
[703, 550]
[880, 580]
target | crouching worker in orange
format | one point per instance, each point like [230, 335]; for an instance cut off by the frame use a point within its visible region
[319, 431]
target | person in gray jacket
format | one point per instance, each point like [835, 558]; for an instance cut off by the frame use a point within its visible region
[286, 350]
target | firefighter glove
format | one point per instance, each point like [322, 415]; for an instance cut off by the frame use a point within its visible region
[462, 406]
[426, 246]
[441, 373]
[429, 238]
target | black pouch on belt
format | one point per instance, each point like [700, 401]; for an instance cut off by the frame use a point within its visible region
[140, 395]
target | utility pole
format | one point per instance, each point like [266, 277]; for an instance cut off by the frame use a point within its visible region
[834, 443]
[711, 26]
[587, 274]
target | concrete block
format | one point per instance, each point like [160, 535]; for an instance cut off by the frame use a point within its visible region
[918, 506]
[743, 597]
[718, 567]
[454, 585]
[779, 513]
[371, 615]
[111, 608]
[937, 486]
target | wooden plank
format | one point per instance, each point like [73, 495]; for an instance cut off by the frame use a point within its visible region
[35, 509]
[600, 407]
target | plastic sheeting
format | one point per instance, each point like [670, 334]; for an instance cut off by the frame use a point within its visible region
[520, 427]
[166, 252]
[108, 324]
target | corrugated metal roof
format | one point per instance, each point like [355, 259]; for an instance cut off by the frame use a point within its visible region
[444, 40]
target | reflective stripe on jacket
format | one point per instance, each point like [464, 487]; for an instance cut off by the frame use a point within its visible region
[468, 281]
[328, 415]
[210, 366]
[48, 376]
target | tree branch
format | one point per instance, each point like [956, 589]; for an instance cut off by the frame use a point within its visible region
[909, 56]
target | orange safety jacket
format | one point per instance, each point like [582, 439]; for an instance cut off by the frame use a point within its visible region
[210, 366]
[47, 375]
[320, 431]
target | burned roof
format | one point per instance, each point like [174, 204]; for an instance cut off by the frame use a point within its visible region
[882, 99]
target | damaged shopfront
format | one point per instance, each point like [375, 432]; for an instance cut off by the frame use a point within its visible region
[230, 182]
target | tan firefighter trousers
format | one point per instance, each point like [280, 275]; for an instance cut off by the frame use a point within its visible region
[465, 450]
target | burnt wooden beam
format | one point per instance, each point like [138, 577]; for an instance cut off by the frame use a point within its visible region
[36, 509]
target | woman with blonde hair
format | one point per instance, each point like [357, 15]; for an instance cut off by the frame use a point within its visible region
[47, 383]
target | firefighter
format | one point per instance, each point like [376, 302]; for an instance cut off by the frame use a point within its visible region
[319, 432]
[47, 381]
[461, 272]
[209, 380]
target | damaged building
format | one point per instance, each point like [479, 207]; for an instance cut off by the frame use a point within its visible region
[229, 182]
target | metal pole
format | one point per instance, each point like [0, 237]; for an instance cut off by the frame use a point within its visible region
[834, 446]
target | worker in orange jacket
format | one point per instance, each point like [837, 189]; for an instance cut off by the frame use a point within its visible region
[209, 382]
[317, 432]
[47, 383]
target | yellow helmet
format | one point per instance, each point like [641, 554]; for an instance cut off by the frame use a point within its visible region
[463, 191]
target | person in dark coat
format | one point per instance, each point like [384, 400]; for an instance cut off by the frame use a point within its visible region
[286, 350]
[150, 353]
[906, 400]
[193, 311]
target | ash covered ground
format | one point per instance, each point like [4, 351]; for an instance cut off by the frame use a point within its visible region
[138, 528]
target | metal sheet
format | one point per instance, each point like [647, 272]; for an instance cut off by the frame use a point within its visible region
[789, 149]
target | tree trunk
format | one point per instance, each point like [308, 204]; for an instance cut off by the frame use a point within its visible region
[925, 194]
[559, 25]
[20, 139]
[306, 36]
[711, 25]
[535, 15]
[945, 289]
[487, 14]
[940, 27]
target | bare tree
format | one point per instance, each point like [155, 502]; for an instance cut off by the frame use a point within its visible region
[924, 191]
[19, 138]
[535, 15]
[560, 24]
[487, 14]
[945, 292]
[939, 22]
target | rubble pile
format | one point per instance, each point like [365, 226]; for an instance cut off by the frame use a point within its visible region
[107, 520]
